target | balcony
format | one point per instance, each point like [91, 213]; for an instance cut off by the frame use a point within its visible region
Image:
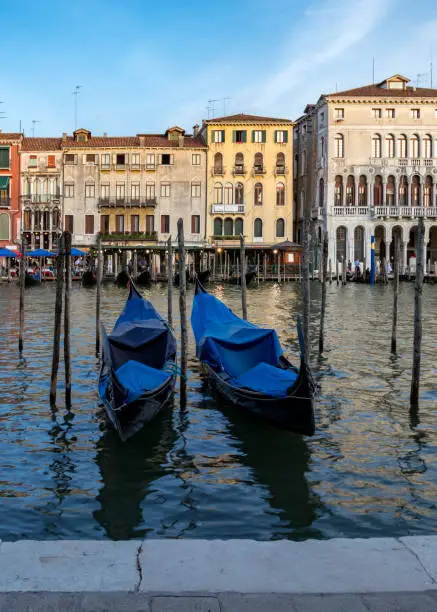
[403, 162]
[218, 171]
[280, 170]
[37, 198]
[317, 212]
[5, 203]
[239, 171]
[129, 236]
[257, 170]
[412, 212]
[228, 208]
[150, 167]
[112, 202]
[350, 211]
[225, 237]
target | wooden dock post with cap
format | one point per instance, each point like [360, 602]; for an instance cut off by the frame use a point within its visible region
[22, 269]
[58, 316]
[67, 285]
[243, 276]
[169, 282]
[182, 309]
[306, 285]
[418, 288]
[98, 292]
[324, 257]
[395, 296]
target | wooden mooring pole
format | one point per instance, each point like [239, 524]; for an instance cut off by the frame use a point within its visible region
[58, 316]
[67, 352]
[243, 276]
[343, 270]
[306, 286]
[395, 295]
[22, 269]
[336, 271]
[182, 311]
[98, 293]
[169, 282]
[324, 267]
[415, 380]
[330, 271]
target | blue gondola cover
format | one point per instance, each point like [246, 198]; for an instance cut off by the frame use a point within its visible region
[267, 379]
[137, 378]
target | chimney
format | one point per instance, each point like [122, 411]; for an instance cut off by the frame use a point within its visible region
[181, 140]
[64, 136]
[105, 134]
[142, 141]
[195, 130]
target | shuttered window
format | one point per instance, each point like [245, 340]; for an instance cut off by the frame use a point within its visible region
[51, 161]
[165, 224]
[70, 159]
[69, 225]
[104, 224]
[4, 157]
[258, 136]
[89, 224]
[195, 224]
[281, 136]
[119, 223]
[150, 224]
[134, 223]
[33, 162]
[239, 136]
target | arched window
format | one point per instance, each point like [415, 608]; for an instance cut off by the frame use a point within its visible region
[55, 219]
[402, 146]
[338, 191]
[427, 146]
[427, 191]
[415, 190]
[376, 145]
[403, 191]
[258, 228]
[377, 191]
[218, 163]
[258, 194]
[321, 193]
[239, 193]
[339, 145]
[280, 228]
[362, 191]
[280, 163]
[218, 193]
[218, 227]
[341, 243]
[350, 191]
[229, 193]
[228, 229]
[46, 220]
[322, 146]
[390, 145]
[258, 163]
[390, 191]
[37, 220]
[239, 226]
[414, 146]
[280, 194]
[4, 227]
[239, 163]
[359, 243]
[304, 163]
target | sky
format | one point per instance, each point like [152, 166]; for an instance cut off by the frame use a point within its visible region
[146, 65]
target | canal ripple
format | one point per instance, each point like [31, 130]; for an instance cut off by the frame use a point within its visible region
[207, 471]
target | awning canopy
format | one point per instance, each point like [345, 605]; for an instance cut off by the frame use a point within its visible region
[7, 253]
[40, 253]
[4, 183]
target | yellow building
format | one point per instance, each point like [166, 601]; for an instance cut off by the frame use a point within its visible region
[249, 180]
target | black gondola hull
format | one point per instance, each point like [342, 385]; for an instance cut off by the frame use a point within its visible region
[143, 278]
[236, 280]
[31, 281]
[88, 279]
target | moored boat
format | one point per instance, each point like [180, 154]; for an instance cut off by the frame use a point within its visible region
[203, 276]
[122, 279]
[143, 278]
[89, 278]
[137, 376]
[32, 279]
[250, 275]
[247, 369]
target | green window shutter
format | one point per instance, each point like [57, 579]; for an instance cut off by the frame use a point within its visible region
[223, 135]
[4, 157]
[234, 136]
[285, 136]
[264, 136]
[276, 135]
[253, 135]
[244, 136]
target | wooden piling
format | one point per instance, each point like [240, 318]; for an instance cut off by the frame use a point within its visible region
[135, 264]
[278, 260]
[415, 380]
[243, 276]
[336, 271]
[182, 309]
[58, 316]
[397, 252]
[265, 267]
[306, 286]
[213, 266]
[169, 282]
[67, 287]
[98, 292]
[22, 269]
[324, 258]
[343, 270]
[330, 271]
[257, 268]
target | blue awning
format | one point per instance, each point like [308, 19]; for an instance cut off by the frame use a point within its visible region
[40, 253]
[7, 253]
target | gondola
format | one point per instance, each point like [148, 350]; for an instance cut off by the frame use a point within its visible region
[122, 279]
[32, 280]
[137, 376]
[143, 278]
[246, 368]
[188, 278]
[203, 276]
[250, 275]
[89, 278]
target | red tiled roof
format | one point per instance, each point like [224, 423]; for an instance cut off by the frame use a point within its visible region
[41, 144]
[10, 136]
[149, 140]
[376, 91]
[242, 118]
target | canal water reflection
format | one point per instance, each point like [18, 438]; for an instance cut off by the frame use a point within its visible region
[208, 471]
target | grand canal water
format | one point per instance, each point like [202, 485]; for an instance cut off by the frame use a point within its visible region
[370, 470]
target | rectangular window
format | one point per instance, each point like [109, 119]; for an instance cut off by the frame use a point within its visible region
[150, 161]
[239, 136]
[281, 136]
[135, 192]
[195, 190]
[4, 157]
[120, 160]
[218, 136]
[150, 191]
[391, 113]
[69, 223]
[119, 223]
[195, 159]
[90, 158]
[322, 118]
[415, 113]
[105, 192]
[258, 136]
[104, 224]
[33, 162]
[339, 114]
[135, 224]
[150, 224]
[70, 159]
[90, 190]
[89, 224]
[120, 191]
[167, 159]
[69, 190]
[165, 190]
[51, 161]
[135, 161]
[106, 161]
[165, 224]
[377, 113]
[195, 224]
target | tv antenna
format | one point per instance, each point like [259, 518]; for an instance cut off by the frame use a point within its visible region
[33, 125]
[224, 105]
[420, 78]
[212, 107]
[76, 92]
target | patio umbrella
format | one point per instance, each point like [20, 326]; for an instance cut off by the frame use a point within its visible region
[8, 253]
[75, 252]
[40, 253]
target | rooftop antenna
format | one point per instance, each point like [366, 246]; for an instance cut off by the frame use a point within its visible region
[430, 69]
[211, 103]
[420, 77]
[33, 126]
[75, 94]
[224, 105]
[373, 70]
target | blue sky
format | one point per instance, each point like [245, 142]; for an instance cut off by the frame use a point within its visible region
[145, 65]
